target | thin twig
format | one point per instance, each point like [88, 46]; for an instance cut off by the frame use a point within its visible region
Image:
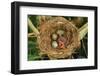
[30, 34]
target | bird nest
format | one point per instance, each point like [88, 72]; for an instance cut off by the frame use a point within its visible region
[71, 38]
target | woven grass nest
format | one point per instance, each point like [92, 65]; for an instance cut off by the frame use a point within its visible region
[71, 36]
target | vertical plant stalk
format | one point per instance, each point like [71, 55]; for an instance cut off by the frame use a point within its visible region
[83, 31]
[84, 48]
[34, 29]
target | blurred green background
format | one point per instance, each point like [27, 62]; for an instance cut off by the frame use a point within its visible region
[33, 50]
